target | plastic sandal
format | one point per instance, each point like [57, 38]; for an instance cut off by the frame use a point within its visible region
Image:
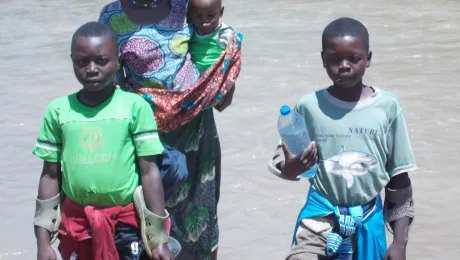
[274, 164]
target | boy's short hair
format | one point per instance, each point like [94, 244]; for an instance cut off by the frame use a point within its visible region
[94, 29]
[345, 26]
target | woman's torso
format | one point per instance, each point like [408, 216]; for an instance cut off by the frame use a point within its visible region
[154, 56]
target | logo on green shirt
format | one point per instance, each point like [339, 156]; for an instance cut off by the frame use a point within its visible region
[91, 138]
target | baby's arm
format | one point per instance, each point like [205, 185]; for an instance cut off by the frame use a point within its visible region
[225, 33]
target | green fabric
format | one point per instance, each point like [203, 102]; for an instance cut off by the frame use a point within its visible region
[193, 209]
[361, 145]
[97, 146]
[206, 49]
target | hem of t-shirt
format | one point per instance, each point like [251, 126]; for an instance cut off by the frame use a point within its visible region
[123, 203]
[403, 169]
[364, 103]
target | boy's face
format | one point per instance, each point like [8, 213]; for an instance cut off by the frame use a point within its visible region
[345, 60]
[95, 61]
[205, 14]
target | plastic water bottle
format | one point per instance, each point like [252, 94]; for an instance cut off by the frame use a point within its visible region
[293, 132]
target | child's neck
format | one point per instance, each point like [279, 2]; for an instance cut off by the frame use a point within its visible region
[93, 99]
[352, 94]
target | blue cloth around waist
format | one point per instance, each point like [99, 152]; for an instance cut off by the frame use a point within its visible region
[370, 235]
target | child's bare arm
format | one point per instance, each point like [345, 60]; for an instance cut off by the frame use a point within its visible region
[48, 188]
[152, 184]
[152, 187]
[400, 226]
[399, 214]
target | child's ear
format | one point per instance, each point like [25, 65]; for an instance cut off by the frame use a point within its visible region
[322, 59]
[222, 11]
[369, 58]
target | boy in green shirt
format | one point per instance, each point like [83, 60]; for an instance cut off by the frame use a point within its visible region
[105, 142]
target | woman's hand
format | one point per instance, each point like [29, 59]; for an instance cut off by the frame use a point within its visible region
[298, 164]
[227, 101]
[162, 252]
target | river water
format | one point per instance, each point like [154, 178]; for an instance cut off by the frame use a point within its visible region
[416, 56]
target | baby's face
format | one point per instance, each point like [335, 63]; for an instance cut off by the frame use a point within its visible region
[205, 14]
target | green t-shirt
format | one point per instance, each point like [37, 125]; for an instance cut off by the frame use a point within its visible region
[98, 146]
[206, 49]
[361, 145]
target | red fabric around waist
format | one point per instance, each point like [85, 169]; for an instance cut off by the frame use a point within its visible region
[89, 231]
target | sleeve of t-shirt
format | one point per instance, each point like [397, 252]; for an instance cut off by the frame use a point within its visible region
[400, 155]
[225, 33]
[144, 130]
[49, 142]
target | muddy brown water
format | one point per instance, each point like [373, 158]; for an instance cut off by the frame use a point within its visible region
[415, 46]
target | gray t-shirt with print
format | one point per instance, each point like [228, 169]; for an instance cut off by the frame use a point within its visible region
[361, 145]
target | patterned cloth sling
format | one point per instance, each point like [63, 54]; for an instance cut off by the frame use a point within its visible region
[174, 108]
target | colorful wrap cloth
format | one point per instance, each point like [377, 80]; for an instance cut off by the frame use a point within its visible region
[174, 108]
[365, 222]
[89, 231]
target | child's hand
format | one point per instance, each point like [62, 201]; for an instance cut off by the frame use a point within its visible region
[298, 164]
[46, 252]
[396, 252]
[162, 252]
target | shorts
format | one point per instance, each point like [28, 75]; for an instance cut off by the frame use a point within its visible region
[128, 241]
[311, 239]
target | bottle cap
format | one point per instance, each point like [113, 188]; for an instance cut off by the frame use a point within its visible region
[284, 110]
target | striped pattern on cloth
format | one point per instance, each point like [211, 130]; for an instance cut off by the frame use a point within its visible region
[339, 244]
